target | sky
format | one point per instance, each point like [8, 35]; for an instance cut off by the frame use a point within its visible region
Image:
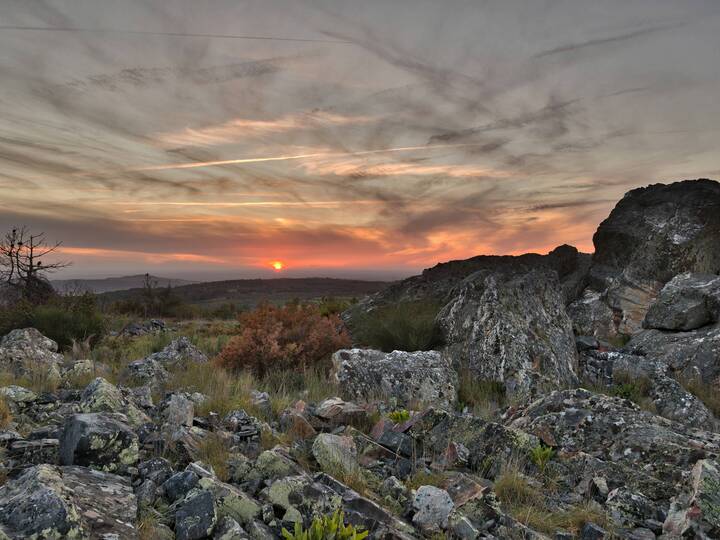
[342, 137]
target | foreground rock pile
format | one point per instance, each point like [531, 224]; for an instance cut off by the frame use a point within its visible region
[601, 433]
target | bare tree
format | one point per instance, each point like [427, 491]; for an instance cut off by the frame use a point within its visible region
[21, 262]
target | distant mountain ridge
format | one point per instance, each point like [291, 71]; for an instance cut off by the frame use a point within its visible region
[250, 292]
[110, 284]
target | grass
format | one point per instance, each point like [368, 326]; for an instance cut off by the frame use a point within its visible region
[213, 450]
[404, 326]
[399, 416]
[527, 504]
[541, 455]
[484, 398]
[36, 379]
[5, 414]
[705, 392]
[635, 389]
[422, 478]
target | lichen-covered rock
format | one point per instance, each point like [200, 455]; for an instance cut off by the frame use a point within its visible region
[48, 502]
[687, 302]
[273, 464]
[179, 351]
[196, 516]
[145, 371]
[408, 378]
[697, 510]
[512, 329]
[591, 316]
[668, 396]
[615, 430]
[177, 410]
[178, 485]
[101, 441]
[26, 350]
[432, 508]
[230, 501]
[335, 452]
[17, 394]
[102, 396]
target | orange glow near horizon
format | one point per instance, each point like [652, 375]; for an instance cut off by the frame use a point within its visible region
[277, 265]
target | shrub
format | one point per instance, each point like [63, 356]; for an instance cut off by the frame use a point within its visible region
[330, 527]
[405, 326]
[635, 389]
[65, 321]
[293, 337]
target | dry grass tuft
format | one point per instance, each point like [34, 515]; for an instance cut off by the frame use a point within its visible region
[213, 450]
[5, 413]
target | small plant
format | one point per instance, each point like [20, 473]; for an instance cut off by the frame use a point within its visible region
[399, 416]
[541, 456]
[635, 389]
[5, 413]
[422, 478]
[330, 527]
[405, 326]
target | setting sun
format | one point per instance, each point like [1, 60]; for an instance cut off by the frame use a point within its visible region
[277, 266]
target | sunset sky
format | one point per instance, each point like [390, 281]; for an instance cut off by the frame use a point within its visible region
[357, 138]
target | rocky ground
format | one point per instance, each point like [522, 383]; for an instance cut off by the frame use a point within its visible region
[575, 396]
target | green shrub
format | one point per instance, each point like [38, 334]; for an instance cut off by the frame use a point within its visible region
[541, 456]
[405, 326]
[330, 527]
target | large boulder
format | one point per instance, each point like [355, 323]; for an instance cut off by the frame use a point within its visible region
[691, 355]
[653, 234]
[100, 441]
[26, 350]
[422, 377]
[512, 329]
[67, 502]
[687, 302]
[335, 453]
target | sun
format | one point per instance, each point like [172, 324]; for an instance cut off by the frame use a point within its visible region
[277, 265]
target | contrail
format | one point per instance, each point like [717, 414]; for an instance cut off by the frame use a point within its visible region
[299, 156]
[174, 34]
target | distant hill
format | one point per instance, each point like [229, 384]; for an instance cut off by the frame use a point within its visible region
[113, 283]
[250, 292]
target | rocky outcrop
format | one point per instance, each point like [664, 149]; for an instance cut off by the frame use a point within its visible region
[696, 512]
[423, 377]
[652, 235]
[511, 329]
[178, 351]
[102, 396]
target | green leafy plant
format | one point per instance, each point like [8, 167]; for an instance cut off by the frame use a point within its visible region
[330, 527]
[541, 456]
[399, 416]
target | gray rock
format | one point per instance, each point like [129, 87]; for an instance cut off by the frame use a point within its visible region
[694, 354]
[179, 484]
[229, 529]
[422, 377]
[179, 351]
[17, 394]
[26, 350]
[687, 302]
[177, 410]
[592, 531]
[100, 441]
[591, 316]
[432, 508]
[335, 452]
[156, 469]
[512, 329]
[145, 371]
[196, 516]
[67, 502]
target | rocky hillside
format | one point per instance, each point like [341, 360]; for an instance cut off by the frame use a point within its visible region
[575, 396]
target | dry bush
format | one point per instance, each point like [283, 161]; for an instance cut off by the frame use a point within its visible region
[293, 337]
[213, 450]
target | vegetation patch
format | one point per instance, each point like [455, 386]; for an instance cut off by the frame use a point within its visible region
[330, 527]
[483, 398]
[404, 326]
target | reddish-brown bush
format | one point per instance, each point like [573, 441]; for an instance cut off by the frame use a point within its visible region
[293, 337]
